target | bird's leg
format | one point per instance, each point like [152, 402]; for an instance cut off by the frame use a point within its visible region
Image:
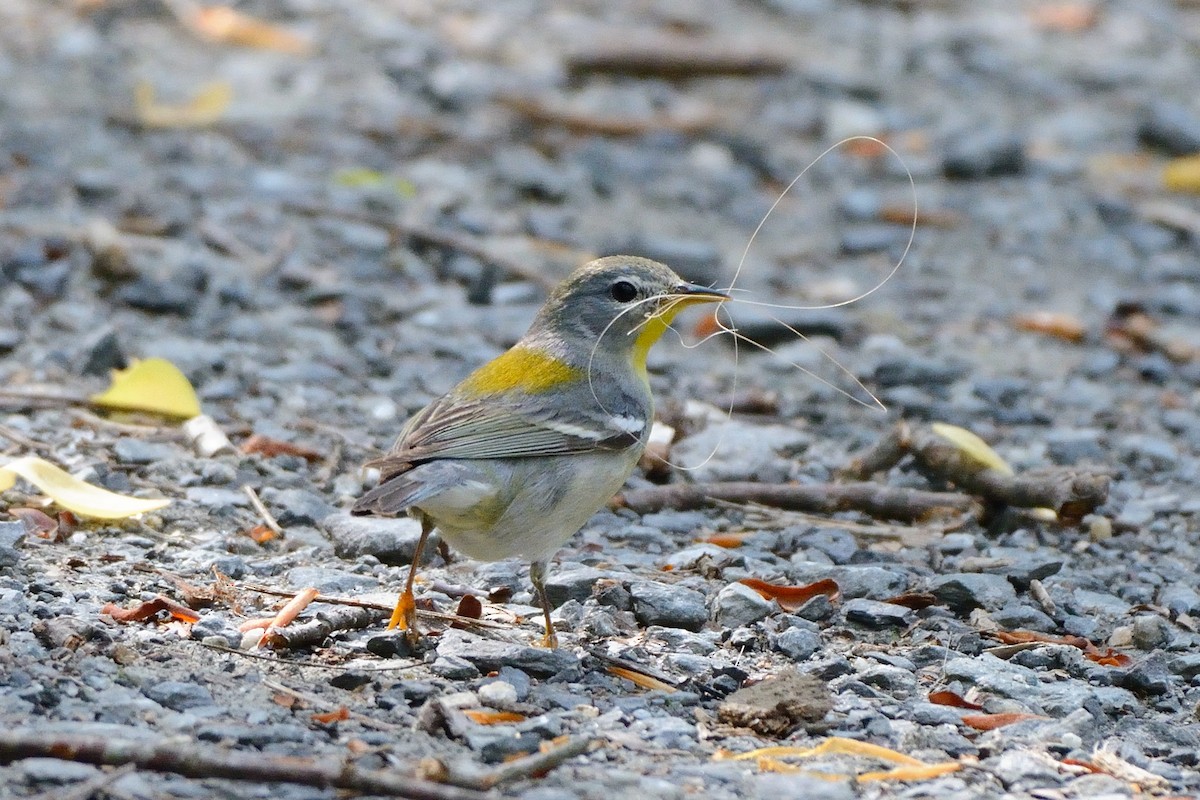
[537, 576]
[404, 616]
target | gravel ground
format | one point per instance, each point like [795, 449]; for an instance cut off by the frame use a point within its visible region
[368, 221]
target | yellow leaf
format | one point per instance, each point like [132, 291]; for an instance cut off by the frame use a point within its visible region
[971, 445]
[206, 108]
[224, 24]
[154, 385]
[1183, 174]
[73, 494]
[922, 773]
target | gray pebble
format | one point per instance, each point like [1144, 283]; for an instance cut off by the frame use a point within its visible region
[139, 451]
[875, 583]
[179, 695]
[965, 591]
[798, 644]
[392, 541]
[572, 584]
[874, 614]
[669, 605]
[737, 605]
[56, 770]
[297, 506]
[454, 668]
[1070, 446]
[488, 655]
[984, 154]
[12, 535]
[1151, 632]
[1148, 453]
[329, 581]
[1173, 127]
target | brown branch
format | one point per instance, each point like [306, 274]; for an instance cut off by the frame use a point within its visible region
[470, 776]
[874, 499]
[326, 621]
[195, 760]
[673, 57]
[558, 114]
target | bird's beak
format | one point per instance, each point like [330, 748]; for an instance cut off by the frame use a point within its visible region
[687, 294]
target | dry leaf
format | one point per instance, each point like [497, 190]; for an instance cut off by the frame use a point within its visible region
[262, 534]
[921, 773]
[74, 494]
[266, 446]
[150, 609]
[155, 385]
[224, 24]
[206, 108]
[1067, 327]
[639, 679]
[329, 717]
[37, 522]
[727, 540]
[484, 716]
[971, 445]
[791, 598]
[1183, 174]
[989, 722]
[914, 600]
[469, 607]
[948, 698]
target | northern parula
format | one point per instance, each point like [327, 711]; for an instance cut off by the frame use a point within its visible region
[520, 454]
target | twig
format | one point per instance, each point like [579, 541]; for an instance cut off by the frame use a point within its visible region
[470, 776]
[437, 616]
[195, 760]
[14, 435]
[318, 629]
[874, 499]
[40, 398]
[292, 662]
[267, 518]
[1072, 494]
[85, 790]
[317, 702]
[541, 112]
[155, 431]
[673, 57]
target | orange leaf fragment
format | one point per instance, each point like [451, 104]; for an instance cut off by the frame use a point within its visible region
[727, 540]
[639, 679]
[914, 600]
[261, 534]
[1067, 327]
[224, 24]
[330, 717]
[150, 609]
[469, 607]
[258, 623]
[487, 716]
[989, 722]
[945, 697]
[266, 446]
[283, 700]
[791, 598]
[1109, 658]
[1064, 17]
[922, 773]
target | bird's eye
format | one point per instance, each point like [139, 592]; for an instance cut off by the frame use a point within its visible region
[623, 292]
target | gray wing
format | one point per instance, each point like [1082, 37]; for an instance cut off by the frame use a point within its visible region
[520, 426]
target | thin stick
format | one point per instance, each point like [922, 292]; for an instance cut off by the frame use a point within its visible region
[333, 600]
[158, 432]
[196, 760]
[85, 790]
[874, 499]
[14, 435]
[267, 518]
[470, 776]
[317, 702]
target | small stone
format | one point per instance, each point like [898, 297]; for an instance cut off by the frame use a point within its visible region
[862, 239]
[392, 541]
[12, 535]
[454, 668]
[1150, 676]
[329, 581]
[984, 154]
[875, 614]
[1149, 453]
[915, 370]
[57, 771]
[297, 506]
[572, 584]
[498, 694]
[969, 590]
[1151, 632]
[737, 605]
[798, 644]
[159, 297]
[214, 627]
[139, 451]
[1071, 446]
[777, 705]
[489, 655]
[179, 695]
[669, 605]
[754, 452]
[102, 354]
[1172, 127]
[10, 339]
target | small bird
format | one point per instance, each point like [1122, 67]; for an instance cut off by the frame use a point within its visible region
[520, 454]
